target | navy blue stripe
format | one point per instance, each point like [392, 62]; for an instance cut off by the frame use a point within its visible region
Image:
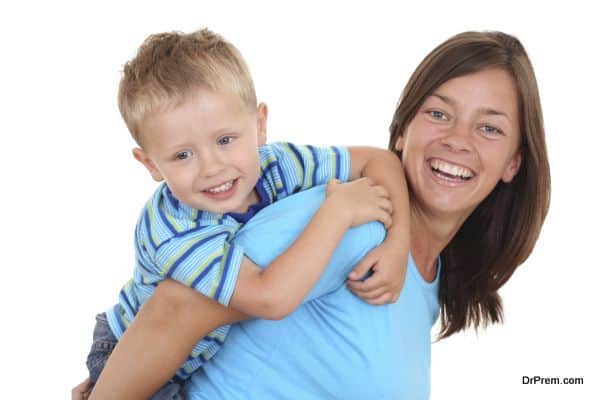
[224, 276]
[316, 165]
[164, 219]
[147, 222]
[142, 258]
[284, 184]
[338, 158]
[190, 250]
[116, 309]
[268, 170]
[206, 270]
[206, 339]
[299, 157]
[143, 267]
[123, 296]
[265, 199]
[193, 230]
[212, 339]
[174, 202]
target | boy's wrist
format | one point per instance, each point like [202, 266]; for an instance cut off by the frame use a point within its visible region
[336, 212]
[397, 233]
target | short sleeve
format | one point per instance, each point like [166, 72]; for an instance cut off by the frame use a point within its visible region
[204, 260]
[307, 166]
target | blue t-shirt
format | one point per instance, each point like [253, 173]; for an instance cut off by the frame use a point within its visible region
[335, 346]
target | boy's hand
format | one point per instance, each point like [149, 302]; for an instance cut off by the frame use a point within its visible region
[388, 262]
[81, 391]
[360, 201]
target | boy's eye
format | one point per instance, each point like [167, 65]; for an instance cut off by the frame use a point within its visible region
[225, 140]
[183, 155]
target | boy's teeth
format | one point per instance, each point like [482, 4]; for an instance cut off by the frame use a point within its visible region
[221, 188]
[451, 169]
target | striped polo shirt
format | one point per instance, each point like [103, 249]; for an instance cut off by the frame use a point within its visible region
[195, 248]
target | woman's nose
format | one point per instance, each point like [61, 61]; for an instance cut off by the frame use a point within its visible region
[458, 138]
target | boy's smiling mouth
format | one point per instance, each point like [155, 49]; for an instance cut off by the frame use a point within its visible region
[221, 188]
[222, 191]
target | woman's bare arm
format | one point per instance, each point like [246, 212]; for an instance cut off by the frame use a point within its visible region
[159, 340]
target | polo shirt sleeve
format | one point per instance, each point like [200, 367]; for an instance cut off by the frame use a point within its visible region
[204, 260]
[305, 166]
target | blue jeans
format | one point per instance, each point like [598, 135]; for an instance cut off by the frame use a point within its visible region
[103, 344]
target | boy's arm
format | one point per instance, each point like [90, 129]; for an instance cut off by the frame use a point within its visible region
[276, 291]
[159, 340]
[389, 260]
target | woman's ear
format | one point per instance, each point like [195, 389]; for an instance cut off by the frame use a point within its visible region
[261, 123]
[143, 158]
[512, 168]
[399, 145]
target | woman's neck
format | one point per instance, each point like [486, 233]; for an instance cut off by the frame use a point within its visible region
[429, 235]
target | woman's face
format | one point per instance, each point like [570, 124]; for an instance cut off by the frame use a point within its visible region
[463, 140]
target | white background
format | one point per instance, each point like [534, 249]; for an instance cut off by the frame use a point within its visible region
[331, 74]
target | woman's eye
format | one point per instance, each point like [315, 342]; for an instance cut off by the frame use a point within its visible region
[183, 155]
[436, 114]
[490, 130]
[225, 140]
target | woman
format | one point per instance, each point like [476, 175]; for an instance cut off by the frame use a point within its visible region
[468, 129]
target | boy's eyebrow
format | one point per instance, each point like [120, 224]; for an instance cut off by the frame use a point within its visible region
[176, 146]
[482, 110]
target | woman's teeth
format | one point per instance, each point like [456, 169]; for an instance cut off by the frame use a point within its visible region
[451, 170]
[221, 188]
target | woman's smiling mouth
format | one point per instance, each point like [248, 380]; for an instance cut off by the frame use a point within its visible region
[449, 173]
[450, 170]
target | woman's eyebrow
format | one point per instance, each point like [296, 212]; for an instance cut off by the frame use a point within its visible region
[482, 110]
[443, 98]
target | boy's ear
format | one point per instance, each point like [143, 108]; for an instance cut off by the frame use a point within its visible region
[261, 123]
[143, 158]
[512, 168]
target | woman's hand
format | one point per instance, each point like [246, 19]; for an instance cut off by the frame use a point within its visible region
[388, 265]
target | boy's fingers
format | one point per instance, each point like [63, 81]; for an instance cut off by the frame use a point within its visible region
[385, 219]
[361, 269]
[385, 298]
[373, 282]
[370, 295]
[367, 180]
[386, 205]
[80, 392]
[381, 191]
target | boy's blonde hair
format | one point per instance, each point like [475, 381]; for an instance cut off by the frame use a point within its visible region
[169, 66]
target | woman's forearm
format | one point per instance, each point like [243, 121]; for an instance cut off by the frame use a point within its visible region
[159, 340]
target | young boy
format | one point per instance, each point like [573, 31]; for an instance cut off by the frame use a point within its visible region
[189, 103]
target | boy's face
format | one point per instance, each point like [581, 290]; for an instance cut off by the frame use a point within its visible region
[206, 149]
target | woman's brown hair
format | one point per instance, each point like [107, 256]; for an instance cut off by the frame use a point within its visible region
[501, 233]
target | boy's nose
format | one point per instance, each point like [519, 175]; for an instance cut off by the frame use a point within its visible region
[212, 164]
